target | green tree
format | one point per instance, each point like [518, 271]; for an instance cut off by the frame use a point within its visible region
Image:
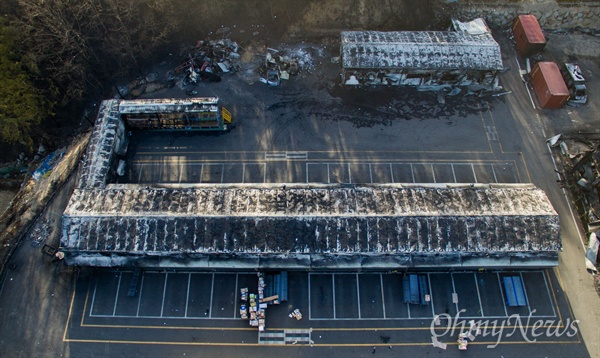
[22, 105]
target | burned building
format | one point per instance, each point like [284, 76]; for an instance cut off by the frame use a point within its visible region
[298, 226]
[428, 60]
[316, 227]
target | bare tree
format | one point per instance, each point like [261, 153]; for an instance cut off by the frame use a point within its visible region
[82, 43]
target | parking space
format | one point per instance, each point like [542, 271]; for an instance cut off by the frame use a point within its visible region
[326, 296]
[169, 295]
[324, 172]
[321, 296]
[490, 293]
[338, 296]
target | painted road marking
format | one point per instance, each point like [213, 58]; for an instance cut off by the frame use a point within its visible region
[478, 294]
[358, 294]
[382, 295]
[430, 295]
[548, 291]
[187, 296]
[454, 294]
[525, 292]
[502, 293]
[117, 294]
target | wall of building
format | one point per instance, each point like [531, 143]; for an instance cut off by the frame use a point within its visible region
[551, 14]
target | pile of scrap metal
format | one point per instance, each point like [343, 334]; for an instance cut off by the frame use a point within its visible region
[277, 67]
[579, 155]
[208, 60]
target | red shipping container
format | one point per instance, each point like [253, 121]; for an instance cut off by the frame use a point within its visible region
[528, 35]
[549, 85]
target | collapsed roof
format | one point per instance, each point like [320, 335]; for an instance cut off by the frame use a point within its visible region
[299, 226]
[424, 50]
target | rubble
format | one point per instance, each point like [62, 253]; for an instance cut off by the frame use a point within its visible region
[280, 65]
[209, 59]
[578, 155]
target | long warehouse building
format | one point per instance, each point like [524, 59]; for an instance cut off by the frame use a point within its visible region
[318, 227]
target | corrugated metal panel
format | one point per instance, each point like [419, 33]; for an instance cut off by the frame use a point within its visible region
[514, 290]
[313, 220]
[549, 85]
[528, 35]
[169, 105]
[428, 50]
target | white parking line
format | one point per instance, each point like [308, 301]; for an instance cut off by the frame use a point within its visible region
[478, 294]
[408, 308]
[454, 290]
[187, 296]
[358, 295]
[117, 294]
[223, 172]
[201, 172]
[453, 173]
[212, 293]
[349, 174]
[137, 313]
[333, 287]
[309, 304]
[140, 176]
[474, 175]
[430, 295]
[433, 173]
[525, 292]
[412, 172]
[162, 306]
[93, 297]
[502, 294]
[370, 172]
[235, 295]
[392, 173]
[526, 86]
[180, 173]
[264, 172]
[494, 172]
[328, 178]
[307, 172]
[382, 295]
[549, 295]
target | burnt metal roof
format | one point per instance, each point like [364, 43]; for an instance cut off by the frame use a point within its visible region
[424, 50]
[169, 105]
[101, 151]
[384, 219]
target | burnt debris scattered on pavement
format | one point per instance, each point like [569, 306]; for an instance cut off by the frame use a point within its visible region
[578, 155]
[208, 60]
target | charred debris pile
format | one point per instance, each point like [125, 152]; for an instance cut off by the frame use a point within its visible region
[579, 156]
[209, 60]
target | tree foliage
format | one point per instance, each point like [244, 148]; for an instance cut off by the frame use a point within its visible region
[81, 44]
[22, 105]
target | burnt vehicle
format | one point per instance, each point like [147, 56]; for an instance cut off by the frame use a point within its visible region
[575, 82]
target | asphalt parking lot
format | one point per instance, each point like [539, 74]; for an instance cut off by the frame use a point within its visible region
[180, 301]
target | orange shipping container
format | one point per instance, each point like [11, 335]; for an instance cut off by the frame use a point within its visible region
[528, 35]
[549, 85]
